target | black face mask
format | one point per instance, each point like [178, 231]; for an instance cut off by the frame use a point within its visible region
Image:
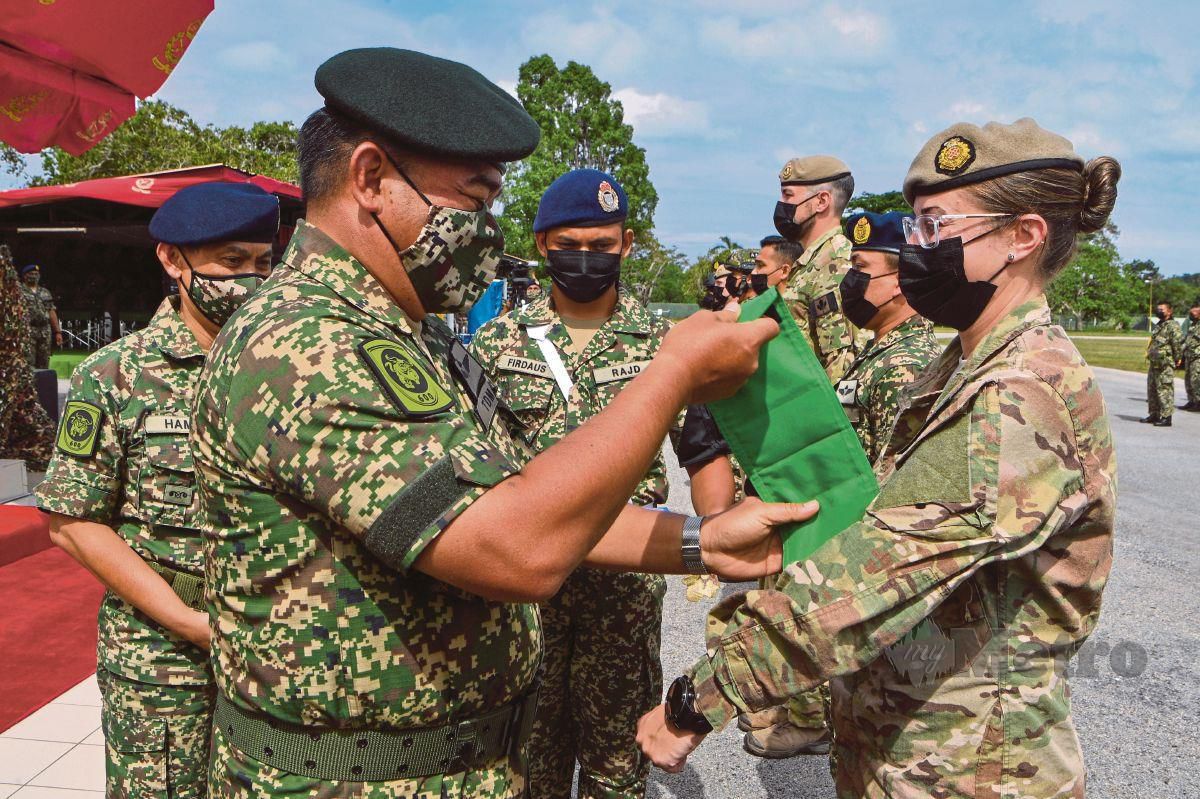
[758, 284]
[1160, 315]
[582, 275]
[785, 220]
[855, 305]
[935, 284]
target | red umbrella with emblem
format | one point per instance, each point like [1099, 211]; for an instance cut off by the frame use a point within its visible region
[70, 70]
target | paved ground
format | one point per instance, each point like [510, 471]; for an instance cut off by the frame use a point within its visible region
[1137, 683]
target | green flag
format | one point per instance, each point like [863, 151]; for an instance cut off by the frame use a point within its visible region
[789, 432]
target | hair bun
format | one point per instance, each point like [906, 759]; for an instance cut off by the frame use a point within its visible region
[1100, 177]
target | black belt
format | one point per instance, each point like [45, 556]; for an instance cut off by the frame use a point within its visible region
[378, 754]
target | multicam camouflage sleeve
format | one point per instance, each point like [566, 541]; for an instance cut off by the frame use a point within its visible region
[986, 488]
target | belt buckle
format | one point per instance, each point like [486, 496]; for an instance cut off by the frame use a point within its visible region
[468, 748]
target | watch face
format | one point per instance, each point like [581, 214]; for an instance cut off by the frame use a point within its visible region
[677, 695]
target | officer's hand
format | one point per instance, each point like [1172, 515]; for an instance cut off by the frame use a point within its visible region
[58, 339]
[663, 745]
[740, 544]
[716, 353]
[196, 629]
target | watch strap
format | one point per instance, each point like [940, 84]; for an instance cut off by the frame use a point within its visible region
[693, 559]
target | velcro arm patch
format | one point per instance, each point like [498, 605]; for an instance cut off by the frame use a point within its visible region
[824, 305]
[424, 501]
[80, 429]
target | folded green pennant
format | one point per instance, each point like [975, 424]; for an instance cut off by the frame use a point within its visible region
[789, 432]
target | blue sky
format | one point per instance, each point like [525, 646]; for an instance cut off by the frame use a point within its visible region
[722, 93]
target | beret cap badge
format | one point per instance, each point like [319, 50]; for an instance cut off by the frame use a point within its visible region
[862, 231]
[954, 156]
[786, 174]
[607, 196]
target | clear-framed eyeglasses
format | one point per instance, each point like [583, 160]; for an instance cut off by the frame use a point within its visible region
[926, 229]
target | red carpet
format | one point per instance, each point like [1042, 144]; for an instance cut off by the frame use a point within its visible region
[23, 532]
[48, 607]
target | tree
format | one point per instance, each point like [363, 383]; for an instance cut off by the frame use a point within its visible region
[879, 203]
[12, 161]
[160, 136]
[656, 273]
[582, 126]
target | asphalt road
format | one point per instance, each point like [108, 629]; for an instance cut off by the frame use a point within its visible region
[1137, 681]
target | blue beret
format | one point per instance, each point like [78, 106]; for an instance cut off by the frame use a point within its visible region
[208, 212]
[29, 268]
[581, 198]
[882, 232]
[430, 104]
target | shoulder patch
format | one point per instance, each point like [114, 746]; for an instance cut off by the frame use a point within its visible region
[824, 305]
[80, 429]
[405, 380]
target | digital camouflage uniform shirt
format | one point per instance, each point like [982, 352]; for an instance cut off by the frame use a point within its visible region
[123, 460]
[1191, 361]
[811, 293]
[1164, 352]
[994, 526]
[602, 628]
[871, 389]
[333, 444]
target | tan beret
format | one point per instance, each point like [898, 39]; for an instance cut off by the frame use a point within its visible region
[963, 154]
[811, 170]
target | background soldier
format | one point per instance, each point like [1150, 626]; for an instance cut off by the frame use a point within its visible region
[813, 193]
[43, 318]
[558, 361]
[903, 344]
[376, 530]
[1165, 354]
[773, 264]
[26, 431]
[121, 496]
[1191, 359]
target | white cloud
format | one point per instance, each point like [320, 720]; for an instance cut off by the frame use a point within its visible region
[661, 114]
[866, 29]
[258, 56]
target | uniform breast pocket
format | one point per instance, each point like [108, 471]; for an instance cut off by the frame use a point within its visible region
[529, 399]
[168, 482]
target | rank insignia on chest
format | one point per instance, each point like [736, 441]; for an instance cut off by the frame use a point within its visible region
[847, 392]
[485, 398]
[404, 378]
[528, 366]
[823, 305]
[620, 371]
[80, 429]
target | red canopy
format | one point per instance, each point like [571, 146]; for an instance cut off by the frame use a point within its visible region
[69, 71]
[150, 190]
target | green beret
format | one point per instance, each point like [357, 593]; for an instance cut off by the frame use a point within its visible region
[963, 154]
[430, 104]
[812, 170]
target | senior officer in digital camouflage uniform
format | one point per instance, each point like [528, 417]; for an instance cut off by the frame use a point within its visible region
[371, 628]
[1191, 359]
[44, 329]
[558, 361]
[121, 494]
[813, 193]
[993, 525]
[903, 343]
[1165, 354]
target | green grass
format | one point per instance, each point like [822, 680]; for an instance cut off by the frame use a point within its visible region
[65, 362]
[1129, 355]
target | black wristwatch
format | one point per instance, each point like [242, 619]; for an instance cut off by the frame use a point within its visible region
[681, 707]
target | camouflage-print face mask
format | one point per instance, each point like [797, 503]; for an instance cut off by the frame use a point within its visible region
[218, 297]
[455, 256]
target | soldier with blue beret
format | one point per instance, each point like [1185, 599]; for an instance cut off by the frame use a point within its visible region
[122, 499]
[377, 530]
[903, 343]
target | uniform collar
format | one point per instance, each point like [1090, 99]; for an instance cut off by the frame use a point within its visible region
[915, 325]
[821, 241]
[313, 253]
[629, 315]
[172, 335]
